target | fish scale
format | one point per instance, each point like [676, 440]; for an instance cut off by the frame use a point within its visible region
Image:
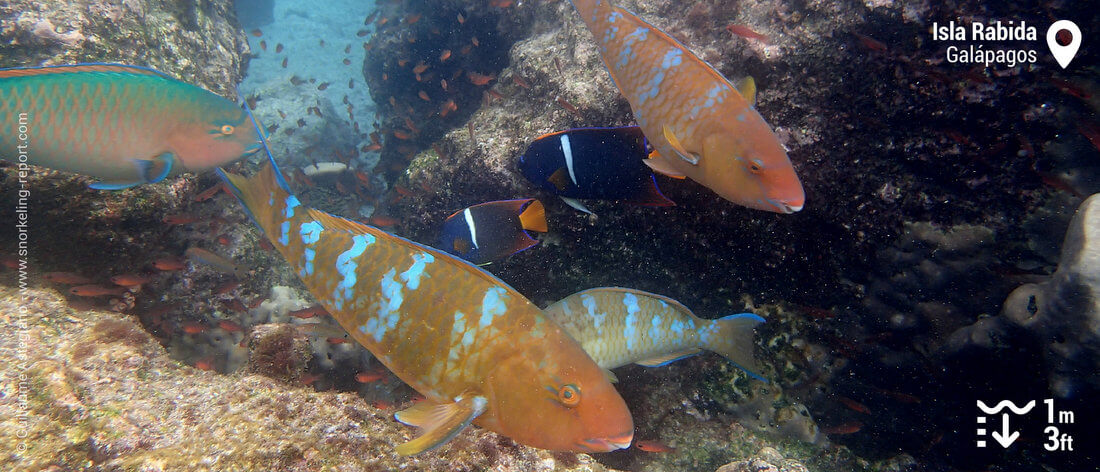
[122, 124]
[451, 331]
[699, 124]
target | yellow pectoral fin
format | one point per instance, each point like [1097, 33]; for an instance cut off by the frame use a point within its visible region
[747, 88]
[441, 422]
[661, 166]
[667, 358]
[610, 376]
[679, 148]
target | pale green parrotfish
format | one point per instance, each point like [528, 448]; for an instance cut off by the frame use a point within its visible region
[619, 326]
[125, 125]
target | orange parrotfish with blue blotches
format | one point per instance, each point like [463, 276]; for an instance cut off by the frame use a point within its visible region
[126, 125]
[699, 124]
[476, 349]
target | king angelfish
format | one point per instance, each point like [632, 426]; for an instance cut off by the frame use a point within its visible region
[700, 125]
[125, 125]
[619, 326]
[476, 349]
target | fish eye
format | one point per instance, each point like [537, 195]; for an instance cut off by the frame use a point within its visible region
[756, 166]
[227, 129]
[569, 395]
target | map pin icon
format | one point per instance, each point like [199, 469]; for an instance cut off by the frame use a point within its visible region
[1064, 54]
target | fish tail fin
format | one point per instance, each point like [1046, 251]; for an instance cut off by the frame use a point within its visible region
[590, 9]
[534, 217]
[732, 337]
[260, 194]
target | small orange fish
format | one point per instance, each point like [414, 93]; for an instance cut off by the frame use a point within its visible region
[854, 405]
[500, 3]
[368, 377]
[336, 340]
[371, 17]
[424, 96]
[401, 135]
[568, 106]
[383, 220]
[67, 278]
[208, 193]
[461, 19]
[371, 147]
[130, 280]
[235, 305]
[447, 107]
[479, 79]
[308, 379]
[412, 18]
[465, 50]
[206, 364]
[475, 41]
[383, 21]
[351, 83]
[746, 32]
[193, 327]
[279, 47]
[96, 291]
[263, 45]
[180, 219]
[257, 33]
[324, 85]
[653, 446]
[169, 264]
[520, 81]
[443, 83]
[227, 287]
[402, 62]
[284, 63]
[420, 67]
[347, 62]
[230, 326]
[308, 312]
[871, 43]
[851, 427]
[446, 54]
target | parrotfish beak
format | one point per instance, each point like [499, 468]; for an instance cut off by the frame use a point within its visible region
[785, 207]
[609, 444]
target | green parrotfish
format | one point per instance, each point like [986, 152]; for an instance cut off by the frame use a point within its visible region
[125, 125]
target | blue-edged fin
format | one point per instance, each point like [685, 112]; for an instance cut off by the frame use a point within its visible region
[732, 337]
[534, 217]
[669, 358]
[150, 171]
[576, 204]
[679, 148]
[657, 163]
[441, 422]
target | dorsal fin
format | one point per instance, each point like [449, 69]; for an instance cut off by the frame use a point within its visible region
[79, 68]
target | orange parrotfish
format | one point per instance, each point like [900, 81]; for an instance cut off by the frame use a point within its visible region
[699, 124]
[619, 326]
[476, 349]
[125, 125]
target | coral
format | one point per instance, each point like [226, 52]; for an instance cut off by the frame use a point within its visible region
[278, 351]
[1063, 312]
[204, 46]
[130, 407]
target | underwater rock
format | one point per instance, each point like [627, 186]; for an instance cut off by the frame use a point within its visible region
[768, 459]
[199, 43]
[1063, 312]
[92, 390]
[278, 351]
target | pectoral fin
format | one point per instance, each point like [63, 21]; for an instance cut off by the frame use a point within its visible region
[747, 88]
[610, 376]
[668, 358]
[679, 148]
[150, 171]
[576, 204]
[441, 422]
[661, 166]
